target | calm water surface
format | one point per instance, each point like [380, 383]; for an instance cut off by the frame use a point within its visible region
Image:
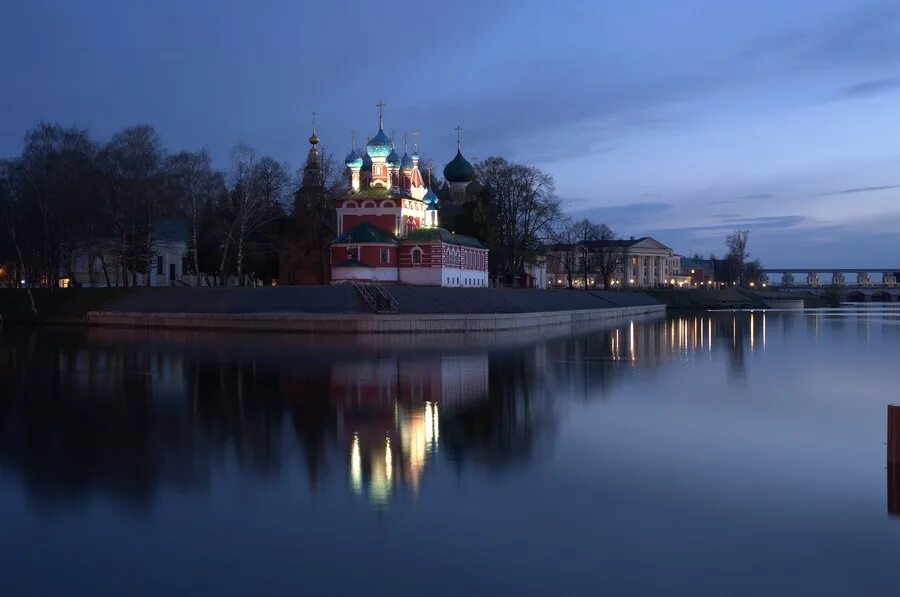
[722, 453]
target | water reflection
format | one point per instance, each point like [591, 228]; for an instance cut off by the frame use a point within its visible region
[129, 415]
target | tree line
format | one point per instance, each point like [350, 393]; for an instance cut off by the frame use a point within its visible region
[68, 194]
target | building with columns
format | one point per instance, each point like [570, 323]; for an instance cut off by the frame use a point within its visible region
[635, 263]
[387, 225]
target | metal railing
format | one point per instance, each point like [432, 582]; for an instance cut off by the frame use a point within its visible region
[376, 297]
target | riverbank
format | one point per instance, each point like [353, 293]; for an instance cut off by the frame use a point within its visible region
[729, 298]
[329, 309]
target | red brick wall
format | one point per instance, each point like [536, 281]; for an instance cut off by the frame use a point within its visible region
[368, 254]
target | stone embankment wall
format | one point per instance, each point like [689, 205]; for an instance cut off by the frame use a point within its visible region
[317, 323]
[326, 310]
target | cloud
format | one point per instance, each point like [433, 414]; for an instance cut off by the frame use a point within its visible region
[728, 224]
[754, 196]
[870, 88]
[862, 190]
[763, 222]
[629, 210]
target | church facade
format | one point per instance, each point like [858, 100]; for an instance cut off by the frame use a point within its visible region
[387, 224]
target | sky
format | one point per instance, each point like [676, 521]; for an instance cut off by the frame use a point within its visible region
[680, 119]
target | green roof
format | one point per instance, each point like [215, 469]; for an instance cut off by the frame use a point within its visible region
[364, 233]
[439, 234]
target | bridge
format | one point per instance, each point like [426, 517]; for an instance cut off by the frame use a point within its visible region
[866, 283]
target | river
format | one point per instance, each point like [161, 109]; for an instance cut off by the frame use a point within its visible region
[738, 453]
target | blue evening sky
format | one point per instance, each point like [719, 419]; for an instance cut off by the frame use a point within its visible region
[683, 119]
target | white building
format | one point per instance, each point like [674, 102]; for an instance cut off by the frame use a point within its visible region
[641, 263]
[100, 268]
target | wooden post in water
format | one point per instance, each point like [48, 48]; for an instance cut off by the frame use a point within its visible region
[893, 459]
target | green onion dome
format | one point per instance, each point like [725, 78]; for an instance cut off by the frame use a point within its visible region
[379, 146]
[393, 160]
[353, 159]
[459, 169]
[406, 162]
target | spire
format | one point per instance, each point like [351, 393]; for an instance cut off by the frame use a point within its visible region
[405, 144]
[313, 139]
[380, 105]
[353, 139]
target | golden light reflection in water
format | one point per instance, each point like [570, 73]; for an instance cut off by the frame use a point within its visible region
[417, 431]
[752, 330]
[355, 465]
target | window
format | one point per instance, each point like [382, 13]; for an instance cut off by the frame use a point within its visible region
[385, 256]
[159, 265]
[353, 253]
[416, 256]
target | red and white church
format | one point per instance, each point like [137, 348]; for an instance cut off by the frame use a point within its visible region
[387, 225]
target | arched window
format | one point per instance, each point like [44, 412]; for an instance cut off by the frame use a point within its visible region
[368, 204]
[350, 204]
[417, 256]
[388, 204]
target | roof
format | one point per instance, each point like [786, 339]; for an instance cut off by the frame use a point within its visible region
[365, 233]
[459, 169]
[442, 235]
[602, 244]
[351, 263]
[381, 192]
[173, 229]
[379, 145]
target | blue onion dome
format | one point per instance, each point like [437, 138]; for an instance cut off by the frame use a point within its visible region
[366, 163]
[393, 159]
[353, 159]
[415, 156]
[406, 162]
[379, 146]
[459, 169]
[430, 199]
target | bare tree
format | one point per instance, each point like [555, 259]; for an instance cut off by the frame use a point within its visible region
[525, 202]
[12, 205]
[565, 248]
[255, 184]
[611, 259]
[736, 242]
[131, 164]
[196, 184]
[586, 234]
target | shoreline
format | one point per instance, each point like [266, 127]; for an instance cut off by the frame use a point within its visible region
[366, 323]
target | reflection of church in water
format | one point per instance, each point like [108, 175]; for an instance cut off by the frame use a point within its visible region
[388, 413]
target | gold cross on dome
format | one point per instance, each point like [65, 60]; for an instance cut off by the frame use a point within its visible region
[380, 105]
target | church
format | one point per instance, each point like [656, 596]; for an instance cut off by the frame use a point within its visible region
[387, 224]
